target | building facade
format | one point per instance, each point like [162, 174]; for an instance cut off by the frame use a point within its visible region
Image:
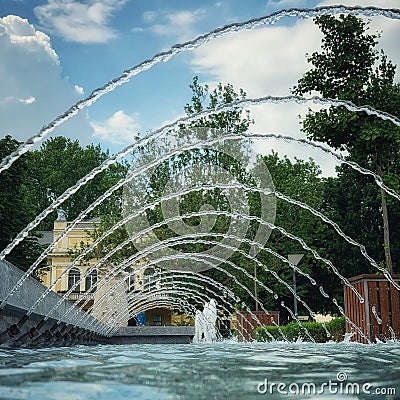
[110, 299]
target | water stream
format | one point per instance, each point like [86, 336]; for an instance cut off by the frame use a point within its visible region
[225, 370]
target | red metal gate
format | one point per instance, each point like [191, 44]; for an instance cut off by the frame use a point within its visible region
[381, 304]
[247, 322]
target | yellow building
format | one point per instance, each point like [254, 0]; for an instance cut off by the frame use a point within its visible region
[60, 258]
[109, 302]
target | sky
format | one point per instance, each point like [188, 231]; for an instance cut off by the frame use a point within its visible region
[54, 53]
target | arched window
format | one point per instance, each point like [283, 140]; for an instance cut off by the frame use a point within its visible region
[91, 280]
[74, 275]
[130, 279]
[148, 276]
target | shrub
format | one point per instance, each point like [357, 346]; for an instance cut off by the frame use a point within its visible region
[337, 328]
[293, 331]
[260, 334]
[316, 331]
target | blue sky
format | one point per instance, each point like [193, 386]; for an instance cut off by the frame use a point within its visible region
[55, 52]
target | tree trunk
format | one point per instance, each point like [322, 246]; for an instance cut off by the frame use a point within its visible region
[386, 230]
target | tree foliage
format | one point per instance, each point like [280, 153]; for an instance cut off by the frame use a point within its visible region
[300, 180]
[17, 207]
[193, 165]
[350, 68]
[59, 164]
[40, 176]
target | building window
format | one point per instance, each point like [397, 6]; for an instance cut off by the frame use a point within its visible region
[130, 281]
[74, 276]
[91, 280]
[148, 276]
[157, 320]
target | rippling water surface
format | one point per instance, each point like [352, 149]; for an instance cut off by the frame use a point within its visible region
[209, 371]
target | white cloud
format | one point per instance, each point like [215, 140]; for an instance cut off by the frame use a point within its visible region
[31, 75]
[29, 100]
[179, 24]
[265, 61]
[283, 119]
[79, 22]
[261, 61]
[120, 128]
[269, 61]
[20, 33]
[287, 3]
[79, 89]
[150, 16]
[137, 29]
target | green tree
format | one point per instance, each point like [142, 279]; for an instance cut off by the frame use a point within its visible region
[202, 99]
[232, 121]
[17, 206]
[59, 164]
[349, 67]
[42, 175]
[351, 200]
[231, 157]
[301, 181]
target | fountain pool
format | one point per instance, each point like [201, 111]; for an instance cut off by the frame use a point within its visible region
[223, 370]
[220, 370]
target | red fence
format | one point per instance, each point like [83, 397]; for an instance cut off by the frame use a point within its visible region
[381, 302]
[247, 322]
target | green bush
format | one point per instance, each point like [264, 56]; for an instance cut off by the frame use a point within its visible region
[276, 332]
[293, 331]
[316, 331]
[260, 334]
[337, 328]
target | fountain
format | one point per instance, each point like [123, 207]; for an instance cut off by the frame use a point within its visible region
[34, 317]
[205, 323]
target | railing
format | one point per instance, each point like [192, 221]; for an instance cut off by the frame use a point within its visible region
[80, 296]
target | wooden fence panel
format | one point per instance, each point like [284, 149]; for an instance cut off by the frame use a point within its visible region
[247, 322]
[379, 315]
